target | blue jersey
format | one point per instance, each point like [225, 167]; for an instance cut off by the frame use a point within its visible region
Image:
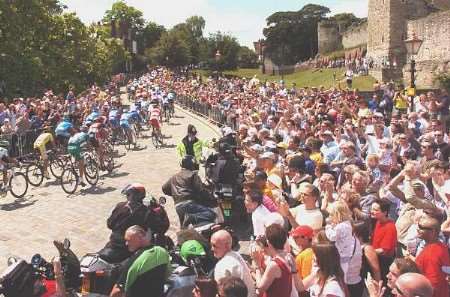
[63, 129]
[78, 139]
[113, 117]
[125, 119]
[93, 116]
[134, 115]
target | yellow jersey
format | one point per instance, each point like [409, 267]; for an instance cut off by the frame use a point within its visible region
[42, 140]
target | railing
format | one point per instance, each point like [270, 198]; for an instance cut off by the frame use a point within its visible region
[21, 143]
[214, 114]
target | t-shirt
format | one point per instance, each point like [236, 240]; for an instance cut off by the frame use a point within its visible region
[304, 262]
[385, 237]
[331, 287]
[309, 217]
[430, 261]
[146, 271]
[232, 264]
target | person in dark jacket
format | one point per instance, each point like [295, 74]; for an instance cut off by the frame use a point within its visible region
[189, 194]
[129, 213]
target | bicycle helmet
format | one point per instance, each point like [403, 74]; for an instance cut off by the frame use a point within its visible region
[188, 162]
[135, 192]
[191, 249]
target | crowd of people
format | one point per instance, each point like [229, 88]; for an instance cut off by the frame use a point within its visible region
[347, 196]
[362, 186]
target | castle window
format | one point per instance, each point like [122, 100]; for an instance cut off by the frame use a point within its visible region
[382, 38]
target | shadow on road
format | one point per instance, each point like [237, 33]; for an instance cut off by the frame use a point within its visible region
[115, 174]
[17, 204]
[174, 124]
[169, 145]
[96, 190]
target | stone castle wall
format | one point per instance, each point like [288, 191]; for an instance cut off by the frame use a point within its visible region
[434, 54]
[329, 37]
[355, 36]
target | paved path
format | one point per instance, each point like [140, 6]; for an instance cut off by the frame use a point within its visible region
[30, 225]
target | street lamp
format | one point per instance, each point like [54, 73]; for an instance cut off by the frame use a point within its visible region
[217, 56]
[412, 48]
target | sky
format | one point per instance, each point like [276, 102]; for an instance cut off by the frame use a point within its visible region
[244, 19]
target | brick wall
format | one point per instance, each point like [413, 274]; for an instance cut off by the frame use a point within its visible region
[355, 36]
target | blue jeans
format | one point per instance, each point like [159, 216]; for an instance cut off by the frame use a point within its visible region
[190, 212]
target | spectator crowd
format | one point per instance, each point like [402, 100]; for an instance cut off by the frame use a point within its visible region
[349, 196]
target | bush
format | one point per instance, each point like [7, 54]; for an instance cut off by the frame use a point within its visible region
[444, 80]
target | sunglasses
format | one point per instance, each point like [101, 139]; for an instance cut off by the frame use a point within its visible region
[399, 292]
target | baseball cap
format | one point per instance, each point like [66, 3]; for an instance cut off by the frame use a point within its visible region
[191, 248]
[227, 131]
[267, 155]
[328, 133]
[417, 184]
[304, 230]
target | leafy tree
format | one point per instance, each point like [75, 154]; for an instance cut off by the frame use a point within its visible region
[171, 50]
[125, 16]
[247, 58]
[291, 36]
[228, 48]
[152, 33]
[345, 20]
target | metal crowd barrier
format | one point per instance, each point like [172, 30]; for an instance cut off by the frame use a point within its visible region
[21, 144]
[213, 113]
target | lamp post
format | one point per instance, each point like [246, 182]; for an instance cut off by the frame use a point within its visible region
[217, 56]
[412, 48]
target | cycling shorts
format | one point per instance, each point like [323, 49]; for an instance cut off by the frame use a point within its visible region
[155, 123]
[75, 151]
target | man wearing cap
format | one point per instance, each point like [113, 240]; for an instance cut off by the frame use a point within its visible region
[190, 144]
[303, 236]
[268, 163]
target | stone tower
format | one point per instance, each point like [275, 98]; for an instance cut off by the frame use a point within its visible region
[387, 29]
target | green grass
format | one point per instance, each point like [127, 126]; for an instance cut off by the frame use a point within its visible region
[309, 78]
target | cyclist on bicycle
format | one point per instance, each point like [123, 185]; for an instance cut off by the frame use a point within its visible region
[155, 118]
[4, 160]
[92, 116]
[98, 134]
[63, 131]
[42, 144]
[166, 106]
[171, 99]
[125, 121]
[76, 142]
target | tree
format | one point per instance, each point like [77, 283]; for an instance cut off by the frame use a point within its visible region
[171, 50]
[127, 17]
[228, 48]
[345, 20]
[247, 58]
[291, 36]
[151, 34]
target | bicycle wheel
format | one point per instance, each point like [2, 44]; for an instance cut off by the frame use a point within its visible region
[35, 174]
[91, 171]
[127, 141]
[69, 180]
[18, 184]
[155, 140]
[109, 160]
[57, 167]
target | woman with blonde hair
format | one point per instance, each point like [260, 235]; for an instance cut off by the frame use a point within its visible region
[340, 231]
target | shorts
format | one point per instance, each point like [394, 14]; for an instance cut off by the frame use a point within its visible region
[42, 150]
[155, 123]
[62, 140]
[93, 140]
[75, 151]
[125, 125]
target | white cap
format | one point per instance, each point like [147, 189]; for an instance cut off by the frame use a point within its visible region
[227, 131]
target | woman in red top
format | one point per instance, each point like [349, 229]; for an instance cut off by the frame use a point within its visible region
[275, 280]
[433, 260]
[384, 237]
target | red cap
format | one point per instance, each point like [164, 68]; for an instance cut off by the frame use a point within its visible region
[305, 231]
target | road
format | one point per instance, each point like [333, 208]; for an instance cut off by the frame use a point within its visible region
[29, 225]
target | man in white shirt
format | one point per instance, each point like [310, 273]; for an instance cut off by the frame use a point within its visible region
[261, 216]
[230, 263]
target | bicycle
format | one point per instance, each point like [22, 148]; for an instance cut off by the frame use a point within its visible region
[35, 169]
[130, 137]
[157, 138]
[70, 178]
[167, 113]
[17, 182]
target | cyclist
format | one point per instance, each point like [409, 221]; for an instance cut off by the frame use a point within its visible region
[4, 160]
[41, 144]
[135, 116]
[76, 142]
[171, 99]
[166, 106]
[155, 117]
[92, 116]
[98, 134]
[125, 120]
[63, 131]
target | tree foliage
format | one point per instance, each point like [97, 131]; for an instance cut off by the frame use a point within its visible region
[56, 51]
[228, 48]
[291, 36]
[247, 58]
